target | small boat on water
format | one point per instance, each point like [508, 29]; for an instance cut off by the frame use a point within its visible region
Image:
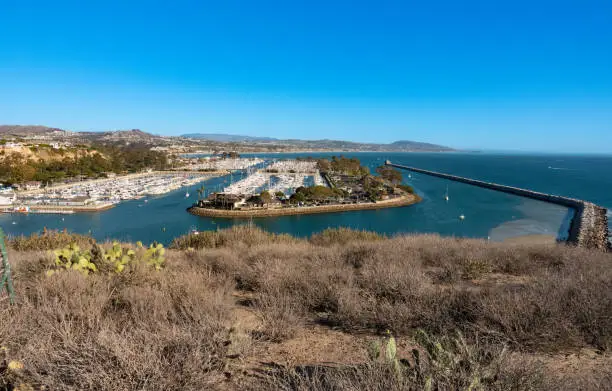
[446, 194]
[187, 195]
[462, 217]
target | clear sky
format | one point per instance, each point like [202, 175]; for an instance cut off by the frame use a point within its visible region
[492, 74]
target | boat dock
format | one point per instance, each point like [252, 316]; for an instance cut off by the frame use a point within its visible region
[589, 226]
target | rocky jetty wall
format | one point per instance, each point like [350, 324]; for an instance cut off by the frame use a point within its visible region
[588, 228]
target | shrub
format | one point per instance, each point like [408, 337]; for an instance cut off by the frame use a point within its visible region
[343, 236]
[49, 240]
[234, 237]
[115, 259]
[142, 330]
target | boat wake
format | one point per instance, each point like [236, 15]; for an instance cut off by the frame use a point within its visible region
[562, 168]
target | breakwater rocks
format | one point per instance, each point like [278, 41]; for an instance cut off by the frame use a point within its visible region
[589, 226]
[271, 212]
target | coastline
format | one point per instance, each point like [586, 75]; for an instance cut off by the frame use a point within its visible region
[316, 151]
[273, 212]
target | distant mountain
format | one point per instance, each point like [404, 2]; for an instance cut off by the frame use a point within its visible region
[405, 144]
[228, 138]
[326, 144]
[212, 141]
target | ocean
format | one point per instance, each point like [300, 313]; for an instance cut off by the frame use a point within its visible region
[488, 214]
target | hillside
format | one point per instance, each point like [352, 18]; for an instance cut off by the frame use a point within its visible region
[209, 141]
[226, 138]
[326, 144]
[30, 130]
[242, 309]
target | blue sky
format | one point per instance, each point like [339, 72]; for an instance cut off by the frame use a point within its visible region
[525, 75]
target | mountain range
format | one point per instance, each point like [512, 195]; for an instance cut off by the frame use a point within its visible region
[219, 141]
[402, 145]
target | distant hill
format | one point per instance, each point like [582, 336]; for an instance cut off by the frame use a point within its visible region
[326, 144]
[29, 130]
[228, 138]
[211, 141]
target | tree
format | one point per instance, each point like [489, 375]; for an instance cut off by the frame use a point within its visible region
[323, 165]
[390, 174]
[200, 192]
[265, 197]
[297, 197]
[279, 194]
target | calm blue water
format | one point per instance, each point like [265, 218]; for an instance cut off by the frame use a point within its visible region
[487, 213]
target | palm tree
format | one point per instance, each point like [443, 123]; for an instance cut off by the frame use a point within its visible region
[201, 192]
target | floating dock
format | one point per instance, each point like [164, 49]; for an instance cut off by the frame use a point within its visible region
[589, 226]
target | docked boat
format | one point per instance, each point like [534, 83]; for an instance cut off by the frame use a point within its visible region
[22, 209]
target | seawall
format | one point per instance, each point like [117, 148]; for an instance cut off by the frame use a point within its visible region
[588, 228]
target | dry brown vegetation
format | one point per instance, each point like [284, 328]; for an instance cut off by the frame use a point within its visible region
[245, 309]
[48, 240]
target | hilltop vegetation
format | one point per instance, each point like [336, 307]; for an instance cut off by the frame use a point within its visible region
[246, 309]
[86, 161]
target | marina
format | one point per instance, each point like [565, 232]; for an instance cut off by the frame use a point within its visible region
[97, 195]
[276, 176]
[213, 164]
[487, 213]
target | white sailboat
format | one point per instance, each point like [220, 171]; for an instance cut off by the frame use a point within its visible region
[187, 195]
[446, 194]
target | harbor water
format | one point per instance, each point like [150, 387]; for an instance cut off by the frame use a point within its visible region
[488, 214]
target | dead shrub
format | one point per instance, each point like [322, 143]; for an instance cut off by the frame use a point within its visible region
[342, 236]
[48, 240]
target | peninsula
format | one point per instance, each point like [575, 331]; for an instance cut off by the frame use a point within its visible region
[307, 186]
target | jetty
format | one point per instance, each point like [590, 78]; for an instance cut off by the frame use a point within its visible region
[589, 225]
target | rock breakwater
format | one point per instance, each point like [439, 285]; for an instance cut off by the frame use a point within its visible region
[589, 226]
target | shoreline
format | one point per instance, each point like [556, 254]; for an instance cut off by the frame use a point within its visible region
[316, 151]
[274, 212]
[61, 209]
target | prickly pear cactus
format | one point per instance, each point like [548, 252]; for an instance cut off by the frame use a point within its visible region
[119, 257]
[72, 257]
[154, 255]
